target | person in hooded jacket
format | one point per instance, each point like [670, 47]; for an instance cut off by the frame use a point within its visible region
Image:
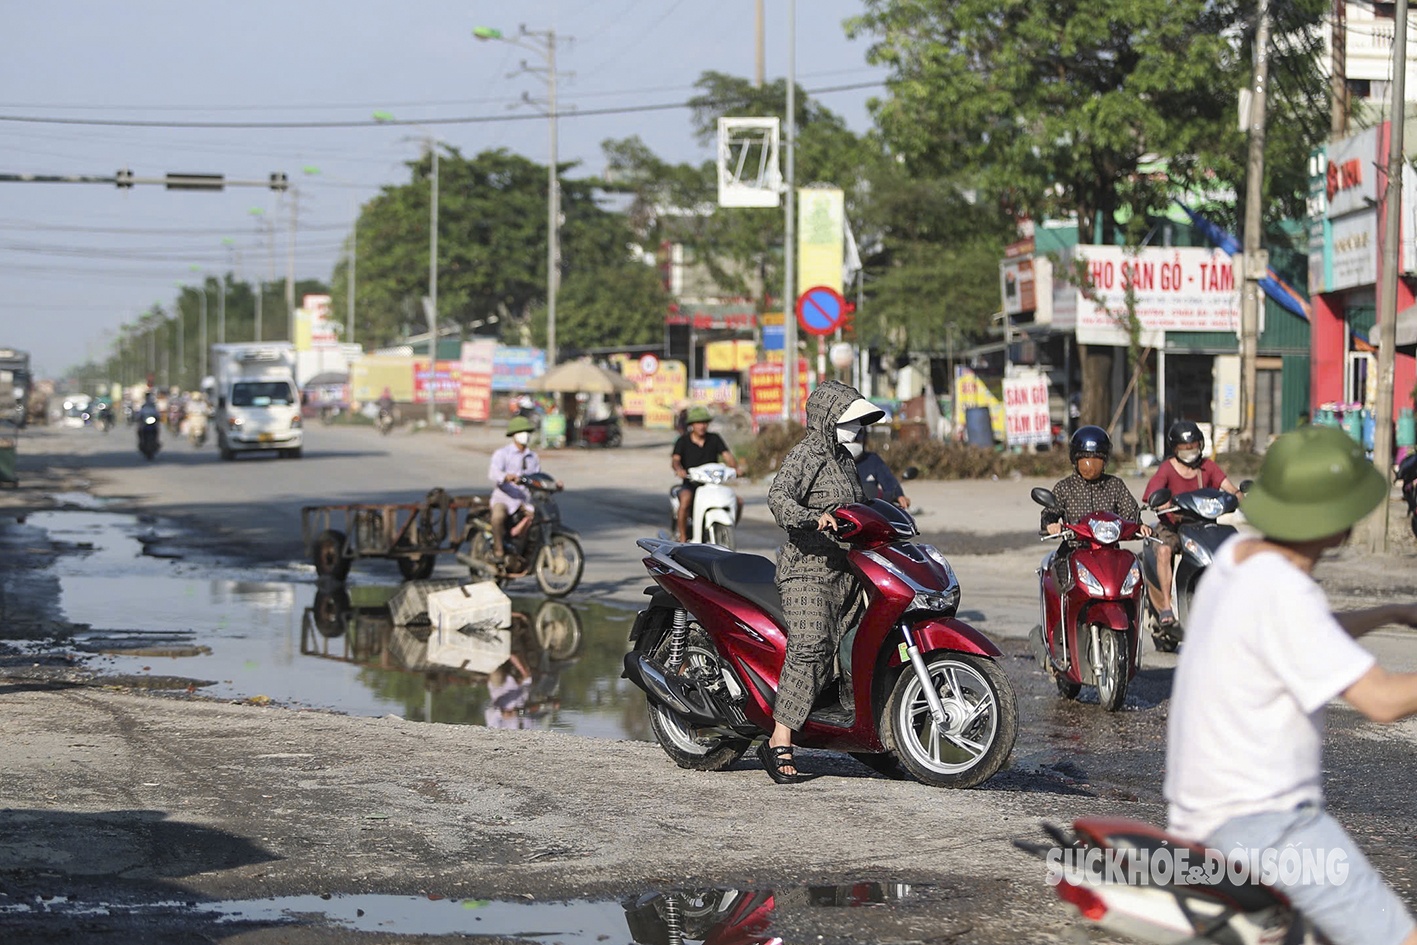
[818, 591]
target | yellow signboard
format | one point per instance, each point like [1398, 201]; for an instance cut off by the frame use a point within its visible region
[730, 355]
[970, 391]
[656, 396]
[821, 237]
[371, 374]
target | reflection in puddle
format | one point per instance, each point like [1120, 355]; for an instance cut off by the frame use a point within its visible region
[743, 916]
[253, 633]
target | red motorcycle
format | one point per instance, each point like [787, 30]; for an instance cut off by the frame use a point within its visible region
[926, 694]
[1089, 635]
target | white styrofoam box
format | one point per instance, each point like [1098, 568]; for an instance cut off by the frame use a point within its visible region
[477, 650]
[470, 605]
[409, 604]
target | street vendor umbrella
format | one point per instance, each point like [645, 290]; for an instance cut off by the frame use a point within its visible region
[577, 377]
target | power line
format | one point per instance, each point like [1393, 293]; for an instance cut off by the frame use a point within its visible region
[371, 123]
[140, 231]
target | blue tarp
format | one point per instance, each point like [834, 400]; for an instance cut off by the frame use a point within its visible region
[1273, 286]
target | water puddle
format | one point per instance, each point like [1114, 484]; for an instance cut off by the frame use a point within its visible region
[257, 634]
[746, 916]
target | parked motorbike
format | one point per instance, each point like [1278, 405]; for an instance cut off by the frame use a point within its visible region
[1188, 912]
[922, 692]
[1407, 475]
[547, 547]
[1089, 632]
[1201, 536]
[715, 509]
[603, 433]
[148, 443]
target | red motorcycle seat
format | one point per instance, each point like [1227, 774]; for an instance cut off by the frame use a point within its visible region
[751, 577]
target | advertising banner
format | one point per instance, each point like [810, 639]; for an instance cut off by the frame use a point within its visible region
[444, 381]
[513, 368]
[774, 334]
[1178, 289]
[730, 355]
[1026, 419]
[970, 391]
[714, 391]
[821, 237]
[475, 382]
[656, 396]
[371, 375]
[765, 390]
[1016, 283]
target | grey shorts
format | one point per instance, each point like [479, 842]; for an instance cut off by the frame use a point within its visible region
[1355, 907]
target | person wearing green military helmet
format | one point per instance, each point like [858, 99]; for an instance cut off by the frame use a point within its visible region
[697, 447]
[508, 465]
[1263, 654]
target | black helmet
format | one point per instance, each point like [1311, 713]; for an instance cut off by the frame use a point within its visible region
[1184, 433]
[1089, 439]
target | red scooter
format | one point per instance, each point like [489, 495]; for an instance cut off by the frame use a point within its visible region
[1090, 635]
[926, 694]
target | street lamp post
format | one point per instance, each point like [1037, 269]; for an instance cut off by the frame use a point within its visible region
[543, 43]
[259, 214]
[431, 308]
[353, 255]
[202, 331]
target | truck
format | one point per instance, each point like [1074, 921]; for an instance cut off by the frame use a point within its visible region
[16, 364]
[255, 399]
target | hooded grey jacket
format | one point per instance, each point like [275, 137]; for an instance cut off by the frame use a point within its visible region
[817, 475]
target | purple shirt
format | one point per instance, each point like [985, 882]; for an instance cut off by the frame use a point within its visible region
[509, 459]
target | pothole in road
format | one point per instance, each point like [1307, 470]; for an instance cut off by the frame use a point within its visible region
[251, 633]
[746, 916]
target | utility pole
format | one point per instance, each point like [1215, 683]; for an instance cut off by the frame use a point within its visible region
[1255, 262]
[759, 59]
[543, 43]
[353, 252]
[1375, 526]
[290, 266]
[202, 357]
[789, 255]
[433, 292]
[1338, 72]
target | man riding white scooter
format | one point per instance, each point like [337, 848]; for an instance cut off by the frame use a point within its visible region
[1264, 655]
[697, 447]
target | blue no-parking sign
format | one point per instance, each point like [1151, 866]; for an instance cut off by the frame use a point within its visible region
[821, 310]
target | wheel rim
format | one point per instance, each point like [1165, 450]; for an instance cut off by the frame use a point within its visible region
[1106, 669]
[679, 732]
[971, 718]
[556, 564]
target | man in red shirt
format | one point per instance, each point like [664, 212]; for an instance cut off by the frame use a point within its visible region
[1185, 470]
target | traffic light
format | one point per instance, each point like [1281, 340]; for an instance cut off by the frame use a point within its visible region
[279, 182]
[124, 179]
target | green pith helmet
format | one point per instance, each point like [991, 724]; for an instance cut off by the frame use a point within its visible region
[698, 415]
[1315, 482]
[519, 425]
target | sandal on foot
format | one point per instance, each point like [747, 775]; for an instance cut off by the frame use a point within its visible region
[1166, 618]
[774, 759]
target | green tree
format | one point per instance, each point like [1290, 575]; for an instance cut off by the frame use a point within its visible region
[1059, 104]
[621, 304]
[491, 244]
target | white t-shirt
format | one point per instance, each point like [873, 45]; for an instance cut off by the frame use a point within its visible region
[1262, 657]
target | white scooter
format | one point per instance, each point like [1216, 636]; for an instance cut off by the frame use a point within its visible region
[715, 505]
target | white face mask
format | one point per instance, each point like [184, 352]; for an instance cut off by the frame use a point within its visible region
[846, 432]
[855, 449]
[521, 439]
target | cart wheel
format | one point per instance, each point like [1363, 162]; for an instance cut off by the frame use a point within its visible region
[331, 610]
[329, 555]
[417, 569]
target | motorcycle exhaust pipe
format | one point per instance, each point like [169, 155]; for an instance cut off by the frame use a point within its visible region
[674, 693]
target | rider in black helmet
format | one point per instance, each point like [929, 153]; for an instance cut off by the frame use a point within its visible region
[1088, 489]
[1184, 470]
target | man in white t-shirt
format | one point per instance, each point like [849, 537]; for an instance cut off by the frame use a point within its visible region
[1263, 656]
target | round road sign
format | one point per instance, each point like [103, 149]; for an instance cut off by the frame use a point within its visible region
[648, 364]
[821, 310]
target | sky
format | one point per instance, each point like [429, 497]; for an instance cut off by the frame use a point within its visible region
[79, 260]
